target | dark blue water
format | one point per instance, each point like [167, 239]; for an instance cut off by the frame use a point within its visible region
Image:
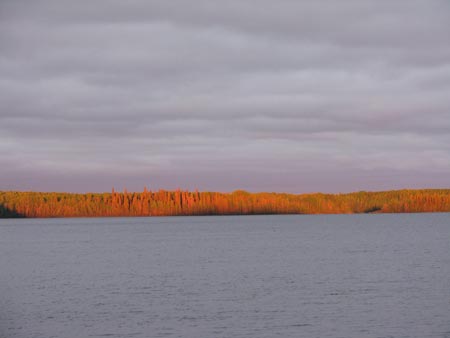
[240, 276]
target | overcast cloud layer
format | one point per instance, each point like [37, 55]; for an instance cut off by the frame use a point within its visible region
[263, 95]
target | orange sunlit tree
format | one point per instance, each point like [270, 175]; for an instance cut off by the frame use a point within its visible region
[171, 203]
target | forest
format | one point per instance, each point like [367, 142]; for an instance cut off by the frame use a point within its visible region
[15, 204]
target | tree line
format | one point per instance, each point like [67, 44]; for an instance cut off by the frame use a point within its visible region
[175, 203]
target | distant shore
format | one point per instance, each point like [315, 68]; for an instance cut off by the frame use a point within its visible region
[15, 204]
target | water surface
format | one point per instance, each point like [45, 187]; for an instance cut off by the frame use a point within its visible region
[231, 276]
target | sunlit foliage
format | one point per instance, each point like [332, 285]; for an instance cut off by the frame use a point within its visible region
[165, 203]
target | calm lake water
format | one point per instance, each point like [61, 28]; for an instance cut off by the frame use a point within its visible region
[238, 276]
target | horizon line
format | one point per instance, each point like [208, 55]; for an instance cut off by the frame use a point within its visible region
[221, 192]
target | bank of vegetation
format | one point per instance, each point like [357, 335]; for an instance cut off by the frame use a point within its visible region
[172, 203]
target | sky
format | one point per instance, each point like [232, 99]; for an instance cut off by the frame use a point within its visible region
[285, 96]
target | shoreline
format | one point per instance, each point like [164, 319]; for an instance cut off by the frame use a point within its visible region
[15, 204]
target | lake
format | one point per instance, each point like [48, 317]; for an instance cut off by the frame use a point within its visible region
[228, 276]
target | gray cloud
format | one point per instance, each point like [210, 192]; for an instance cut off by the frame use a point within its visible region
[260, 95]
